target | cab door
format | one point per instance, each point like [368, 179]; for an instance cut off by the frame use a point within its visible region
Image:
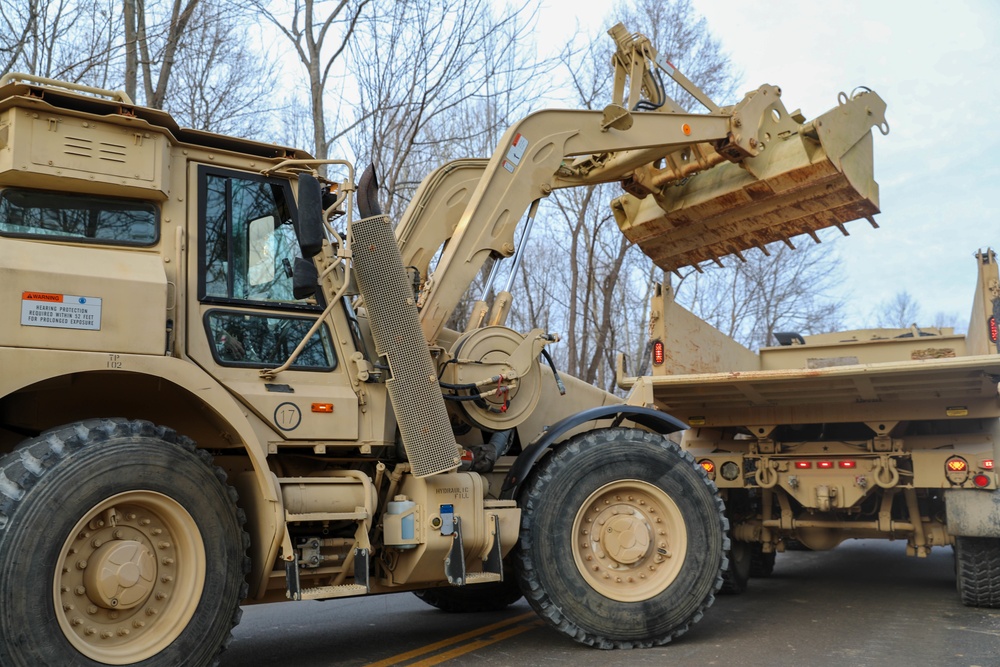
[244, 316]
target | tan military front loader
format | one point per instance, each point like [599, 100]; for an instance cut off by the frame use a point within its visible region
[228, 381]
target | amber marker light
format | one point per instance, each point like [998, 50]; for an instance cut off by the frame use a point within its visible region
[686, 129]
[707, 465]
[322, 407]
[957, 464]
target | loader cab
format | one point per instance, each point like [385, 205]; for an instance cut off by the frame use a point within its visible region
[246, 315]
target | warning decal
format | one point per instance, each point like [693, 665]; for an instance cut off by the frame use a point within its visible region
[515, 152]
[62, 311]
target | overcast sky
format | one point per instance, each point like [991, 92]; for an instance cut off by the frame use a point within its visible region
[935, 64]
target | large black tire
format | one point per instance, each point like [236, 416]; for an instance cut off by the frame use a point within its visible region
[736, 576]
[761, 564]
[655, 564]
[977, 570]
[476, 598]
[120, 543]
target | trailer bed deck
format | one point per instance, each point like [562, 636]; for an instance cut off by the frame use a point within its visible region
[926, 389]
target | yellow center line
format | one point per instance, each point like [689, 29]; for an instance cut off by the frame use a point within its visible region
[457, 639]
[477, 644]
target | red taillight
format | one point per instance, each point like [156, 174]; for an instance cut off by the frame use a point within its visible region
[658, 353]
[982, 481]
[824, 465]
[956, 464]
[847, 464]
[707, 465]
[988, 464]
[803, 464]
[992, 324]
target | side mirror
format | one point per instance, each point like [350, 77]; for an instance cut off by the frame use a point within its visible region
[310, 216]
[305, 279]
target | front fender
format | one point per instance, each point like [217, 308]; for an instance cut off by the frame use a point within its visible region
[654, 420]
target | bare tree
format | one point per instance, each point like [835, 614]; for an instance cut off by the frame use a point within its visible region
[319, 32]
[219, 84]
[155, 34]
[70, 40]
[437, 80]
[785, 290]
[18, 21]
[901, 311]
[949, 319]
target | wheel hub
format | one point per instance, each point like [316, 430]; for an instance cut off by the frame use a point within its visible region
[129, 577]
[120, 575]
[630, 540]
[626, 538]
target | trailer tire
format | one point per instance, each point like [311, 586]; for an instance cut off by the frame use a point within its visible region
[658, 560]
[977, 571]
[120, 543]
[475, 598]
[737, 575]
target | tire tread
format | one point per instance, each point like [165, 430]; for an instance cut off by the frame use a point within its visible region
[26, 465]
[535, 487]
[978, 571]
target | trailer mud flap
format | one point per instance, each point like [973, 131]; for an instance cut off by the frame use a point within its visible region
[973, 513]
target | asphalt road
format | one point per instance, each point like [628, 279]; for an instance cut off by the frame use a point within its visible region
[863, 604]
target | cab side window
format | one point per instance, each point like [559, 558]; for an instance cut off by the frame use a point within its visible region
[78, 218]
[249, 241]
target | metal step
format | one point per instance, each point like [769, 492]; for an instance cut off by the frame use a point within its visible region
[325, 592]
[481, 577]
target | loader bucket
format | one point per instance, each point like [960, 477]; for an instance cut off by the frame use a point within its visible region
[816, 177]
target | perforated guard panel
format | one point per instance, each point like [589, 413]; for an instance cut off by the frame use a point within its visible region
[413, 390]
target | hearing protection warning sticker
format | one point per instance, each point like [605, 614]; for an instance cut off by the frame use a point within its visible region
[62, 311]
